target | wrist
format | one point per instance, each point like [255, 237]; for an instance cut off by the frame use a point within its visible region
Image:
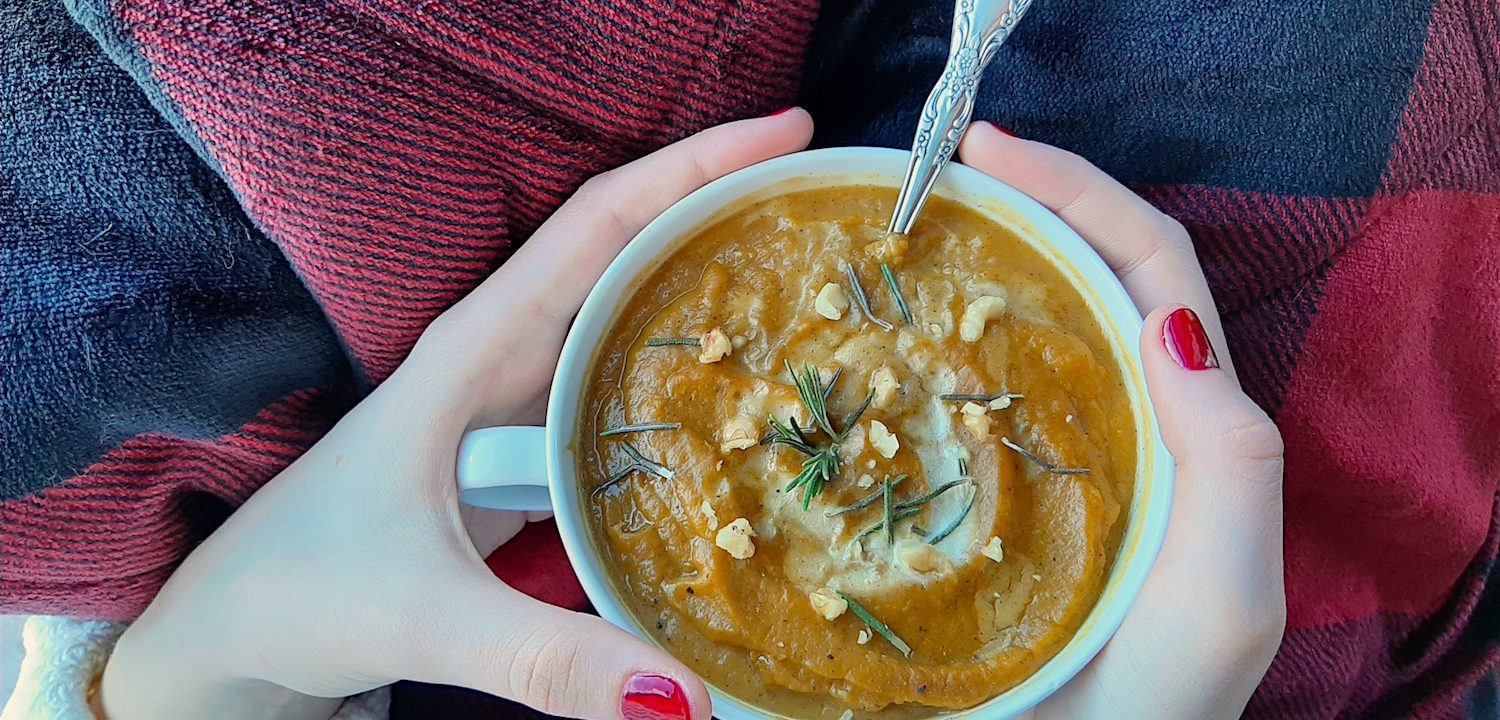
[149, 679]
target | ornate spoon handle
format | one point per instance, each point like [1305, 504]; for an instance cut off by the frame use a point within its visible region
[979, 28]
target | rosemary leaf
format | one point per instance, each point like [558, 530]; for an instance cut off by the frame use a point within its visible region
[939, 490]
[646, 427]
[948, 529]
[890, 522]
[879, 627]
[863, 300]
[1049, 467]
[967, 398]
[647, 464]
[827, 391]
[853, 417]
[979, 397]
[896, 516]
[865, 501]
[664, 342]
[890, 279]
[614, 479]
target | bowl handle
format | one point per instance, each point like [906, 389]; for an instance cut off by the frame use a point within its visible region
[504, 468]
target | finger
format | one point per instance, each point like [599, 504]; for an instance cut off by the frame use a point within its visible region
[553, 272]
[491, 638]
[1147, 249]
[1206, 420]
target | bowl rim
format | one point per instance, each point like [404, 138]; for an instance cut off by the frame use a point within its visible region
[1149, 510]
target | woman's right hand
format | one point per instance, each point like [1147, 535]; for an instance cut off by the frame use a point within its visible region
[1209, 620]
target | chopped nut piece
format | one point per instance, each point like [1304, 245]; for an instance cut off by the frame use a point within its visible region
[976, 419]
[883, 384]
[1068, 419]
[848, 715]
[1003, 402]
[869, 464]
[864, 636]
[739, 341]
[1036, 577]
[979, 312]
[994, 550]
[708, 512]
[922, 559]
[716, 346]
[827, 603]
[734, 538]
[738, 434]
[865, 481]
[831, 302]
[883, 440]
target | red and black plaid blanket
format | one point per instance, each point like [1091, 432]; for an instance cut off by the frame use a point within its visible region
[225, 221]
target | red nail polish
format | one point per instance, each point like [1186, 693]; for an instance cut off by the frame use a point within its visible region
[1186, 342]
[654, 697]
[782, 111]
[1003, 130]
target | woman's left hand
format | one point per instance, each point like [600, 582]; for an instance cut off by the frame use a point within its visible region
[353, 568]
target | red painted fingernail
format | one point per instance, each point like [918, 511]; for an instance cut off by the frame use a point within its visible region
[1003, 130]
[654, 697]
[1186, 342]
[782, 111]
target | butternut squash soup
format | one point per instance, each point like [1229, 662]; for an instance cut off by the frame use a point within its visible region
[835, 470]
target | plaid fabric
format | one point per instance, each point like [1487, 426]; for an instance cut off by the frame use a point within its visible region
[276, 197]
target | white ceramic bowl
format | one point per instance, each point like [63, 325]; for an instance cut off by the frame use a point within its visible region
[510, 467]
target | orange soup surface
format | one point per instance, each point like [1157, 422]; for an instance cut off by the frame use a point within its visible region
[830, 514]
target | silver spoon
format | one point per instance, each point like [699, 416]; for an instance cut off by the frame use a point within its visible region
[979, 28]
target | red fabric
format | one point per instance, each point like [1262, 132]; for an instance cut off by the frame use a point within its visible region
[397, 154]
[535, 563]
[102, 544]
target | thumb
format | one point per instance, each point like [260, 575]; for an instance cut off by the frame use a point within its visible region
[489, 637]
[1206, 420]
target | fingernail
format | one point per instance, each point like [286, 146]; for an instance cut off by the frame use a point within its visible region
[782, 111]
[1003, 130]
[654, 697]
[1186, 341]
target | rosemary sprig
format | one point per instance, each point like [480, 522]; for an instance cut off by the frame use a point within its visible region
[664, 342]
[890, 279]
[865, 501]
[890, 522]
[879, 627]
[896, 516]
[939, 490]
[1049, 467]
[863, 300]
[644, 427]
[822, 462]
[648, 465]
[948, 529]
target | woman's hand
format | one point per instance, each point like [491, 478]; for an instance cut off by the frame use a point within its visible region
[1210, 618]
[353, 568]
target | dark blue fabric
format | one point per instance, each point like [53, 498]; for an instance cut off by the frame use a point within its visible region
[137, 296]
[1284, 98]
